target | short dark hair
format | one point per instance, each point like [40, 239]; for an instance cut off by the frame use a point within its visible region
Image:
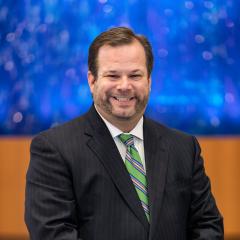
[117, 36]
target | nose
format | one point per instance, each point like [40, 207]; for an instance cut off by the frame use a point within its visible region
[124, 83]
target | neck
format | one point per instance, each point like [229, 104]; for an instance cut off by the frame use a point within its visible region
[124, 124]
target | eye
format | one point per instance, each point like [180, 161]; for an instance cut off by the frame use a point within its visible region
[112, 76]
[135, 76]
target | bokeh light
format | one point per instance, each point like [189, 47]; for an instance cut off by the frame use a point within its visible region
[43, 61]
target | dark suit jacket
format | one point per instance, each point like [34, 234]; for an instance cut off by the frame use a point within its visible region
[78, 186]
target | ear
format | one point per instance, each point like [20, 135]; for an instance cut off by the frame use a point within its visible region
[91, 81]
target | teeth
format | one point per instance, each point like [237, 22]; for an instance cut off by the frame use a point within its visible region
[122, 99]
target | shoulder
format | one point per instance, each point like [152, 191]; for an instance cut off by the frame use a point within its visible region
[64, 134]
[166, 131]
[67, 128]
[172, 138]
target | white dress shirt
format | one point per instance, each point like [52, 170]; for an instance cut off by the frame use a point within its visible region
[137, 133]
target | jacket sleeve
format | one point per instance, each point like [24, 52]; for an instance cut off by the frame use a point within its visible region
[50, 207]
[205, 220]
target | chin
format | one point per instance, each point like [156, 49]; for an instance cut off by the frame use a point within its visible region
[123, 114]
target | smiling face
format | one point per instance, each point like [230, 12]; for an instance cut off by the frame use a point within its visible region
[122, 87]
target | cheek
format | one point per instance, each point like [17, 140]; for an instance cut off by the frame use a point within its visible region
[142, 89]
[102, 90]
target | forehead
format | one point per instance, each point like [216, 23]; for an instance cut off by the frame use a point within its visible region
[123, 56]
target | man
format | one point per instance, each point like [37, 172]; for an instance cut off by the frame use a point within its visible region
[114, 174]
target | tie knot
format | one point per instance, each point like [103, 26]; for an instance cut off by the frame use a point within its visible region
[127, 139]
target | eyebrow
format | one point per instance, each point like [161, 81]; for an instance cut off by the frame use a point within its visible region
[137, 70]
[110, 71]
[116, 72]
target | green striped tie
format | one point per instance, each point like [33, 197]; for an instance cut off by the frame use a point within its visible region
[136, 170]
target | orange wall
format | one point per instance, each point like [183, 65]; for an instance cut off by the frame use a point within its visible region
[222, 162]
[14, 158]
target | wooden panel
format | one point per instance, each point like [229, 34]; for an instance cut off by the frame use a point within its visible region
[14, 159]
[222, 162]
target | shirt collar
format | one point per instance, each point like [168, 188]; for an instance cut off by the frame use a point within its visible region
[137, 131]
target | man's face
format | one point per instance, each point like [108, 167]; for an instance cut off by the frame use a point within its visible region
[122, 87]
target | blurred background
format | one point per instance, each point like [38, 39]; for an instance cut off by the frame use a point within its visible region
[195, 83]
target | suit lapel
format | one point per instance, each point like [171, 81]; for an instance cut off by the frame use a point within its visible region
[156, 157]
[102, 144]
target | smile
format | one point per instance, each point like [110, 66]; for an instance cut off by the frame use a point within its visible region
[123, 99]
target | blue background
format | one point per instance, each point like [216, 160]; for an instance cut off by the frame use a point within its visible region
[43, 61]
